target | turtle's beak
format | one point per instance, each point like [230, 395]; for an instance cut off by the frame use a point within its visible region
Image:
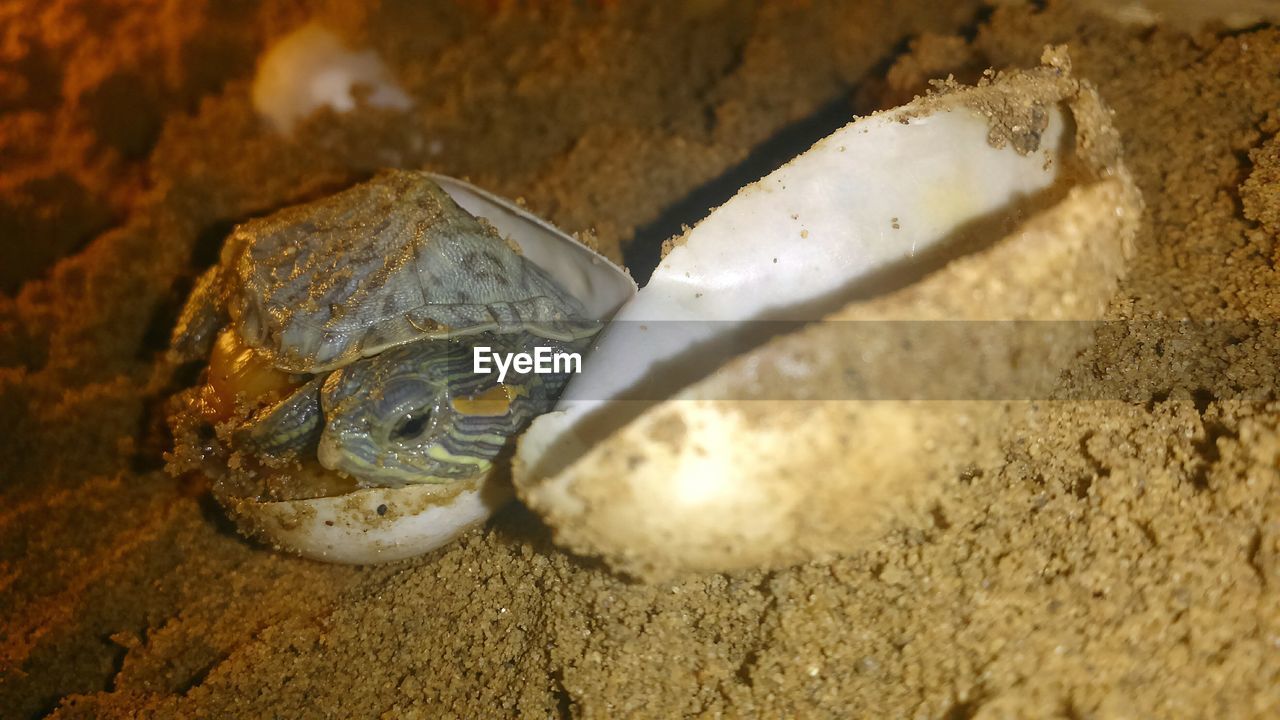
[345, 451]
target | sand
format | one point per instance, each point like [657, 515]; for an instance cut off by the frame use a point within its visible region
[1122, 561]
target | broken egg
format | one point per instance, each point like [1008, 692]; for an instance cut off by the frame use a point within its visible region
[349, 424]
[819, 354]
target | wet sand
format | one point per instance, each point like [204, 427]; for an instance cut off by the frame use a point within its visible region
[1122, 561]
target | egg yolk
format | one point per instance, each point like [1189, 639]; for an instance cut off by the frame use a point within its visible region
[238, 373]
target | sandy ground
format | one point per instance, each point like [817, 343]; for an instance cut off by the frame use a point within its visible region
[1122, 562]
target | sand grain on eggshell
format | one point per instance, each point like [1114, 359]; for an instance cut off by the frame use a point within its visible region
[1117, 558]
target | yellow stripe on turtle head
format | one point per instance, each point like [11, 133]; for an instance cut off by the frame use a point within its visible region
[494, 402]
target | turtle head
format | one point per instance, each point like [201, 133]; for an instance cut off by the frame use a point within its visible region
[417, 414]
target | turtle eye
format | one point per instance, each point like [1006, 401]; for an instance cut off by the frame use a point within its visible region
[410, 426]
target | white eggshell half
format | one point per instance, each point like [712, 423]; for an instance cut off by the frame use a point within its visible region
[374, 525]
[756, 463]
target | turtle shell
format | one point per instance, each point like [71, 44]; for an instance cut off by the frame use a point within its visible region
[386, 262]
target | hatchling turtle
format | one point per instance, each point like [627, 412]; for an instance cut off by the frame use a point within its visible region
[342, 330]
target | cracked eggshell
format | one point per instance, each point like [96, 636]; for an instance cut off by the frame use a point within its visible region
[816, 441]
[375, 525]
[372, 525]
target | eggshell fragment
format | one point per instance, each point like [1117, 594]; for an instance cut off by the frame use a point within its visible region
[373, 525]
[818, 440]
[311, 68]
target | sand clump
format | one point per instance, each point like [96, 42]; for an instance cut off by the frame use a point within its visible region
[1120, 558]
